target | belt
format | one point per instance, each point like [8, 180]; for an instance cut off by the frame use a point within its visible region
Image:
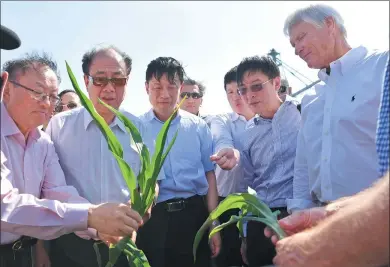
[22, 243]
[178, 204]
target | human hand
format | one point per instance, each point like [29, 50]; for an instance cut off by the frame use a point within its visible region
[226, 158]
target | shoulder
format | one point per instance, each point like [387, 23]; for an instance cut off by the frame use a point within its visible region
[133, 118]
[69, 115]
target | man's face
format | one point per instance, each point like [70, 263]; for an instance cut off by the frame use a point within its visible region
[193, 98]
[163, 95]
[68, 101]
[23, 97]
[314, 45]
[258, 91]
[235, 101]
[106, 65]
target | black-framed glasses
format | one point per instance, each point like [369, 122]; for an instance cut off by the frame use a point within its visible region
[103, 81]
[69, 105]
[194, 95]
[38, 96]
[254, 88]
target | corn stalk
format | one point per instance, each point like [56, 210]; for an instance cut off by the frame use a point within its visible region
[247, 203]
[142, 197]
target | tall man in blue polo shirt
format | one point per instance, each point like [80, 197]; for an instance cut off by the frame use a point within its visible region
[188, 189]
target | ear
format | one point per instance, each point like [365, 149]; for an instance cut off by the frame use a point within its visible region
[4, 80]
[86, 81]
[277, 82]
[147, 87]
[330, 24]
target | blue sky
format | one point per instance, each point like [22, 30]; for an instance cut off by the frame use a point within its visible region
[207, 37]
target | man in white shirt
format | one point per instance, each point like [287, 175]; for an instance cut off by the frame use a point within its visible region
[226, 128]
[336, 154]
[83, 152]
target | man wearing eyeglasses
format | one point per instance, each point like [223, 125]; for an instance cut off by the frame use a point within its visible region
[193, 91]
[68, 100]
[268, 149]
[84, 156]
[33, 188]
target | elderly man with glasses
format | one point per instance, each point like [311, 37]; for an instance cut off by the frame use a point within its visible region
[84, 156]
[32, 182]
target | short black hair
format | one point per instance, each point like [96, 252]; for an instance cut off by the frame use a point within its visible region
[90, 55]
[165, 65]
[202, 88]
[28, 61]
[230, 76]
[63, 92]
[253, 64]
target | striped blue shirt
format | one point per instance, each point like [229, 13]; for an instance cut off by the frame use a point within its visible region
[382, 138]
[184, 171]
[268, 155]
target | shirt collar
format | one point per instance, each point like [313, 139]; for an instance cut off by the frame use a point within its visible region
[235, 116]
[346, 62]
[8, 125]
[88, 119]
[151, 116]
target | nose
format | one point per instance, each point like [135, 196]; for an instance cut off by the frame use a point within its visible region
[164, 92]
[45, 102]
[298, 50]
[109, 87]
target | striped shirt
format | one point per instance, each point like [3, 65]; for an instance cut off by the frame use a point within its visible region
[382, 138]
[268, 155]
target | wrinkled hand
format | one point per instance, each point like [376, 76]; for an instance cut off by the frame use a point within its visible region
[215, 245]
[298, 221]
[299, 250]
[243, 252]
[147, 215]
[41, 257]
[226, 158]
[114, 219]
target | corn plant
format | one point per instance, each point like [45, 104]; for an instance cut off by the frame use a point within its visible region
[141, 197]
[247, 203]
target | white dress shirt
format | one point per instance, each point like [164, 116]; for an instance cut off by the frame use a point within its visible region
[84, 156]
[226, 128]
[336, 154]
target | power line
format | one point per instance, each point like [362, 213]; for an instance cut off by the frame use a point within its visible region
[285, 64]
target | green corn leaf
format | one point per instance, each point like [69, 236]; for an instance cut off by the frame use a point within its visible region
[234, 201]
[112, 141]
[116, 250]
[233, 219]
[138, 258]
[141, 147]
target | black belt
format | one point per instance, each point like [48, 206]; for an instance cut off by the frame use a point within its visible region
[24, 242]
[178, 204]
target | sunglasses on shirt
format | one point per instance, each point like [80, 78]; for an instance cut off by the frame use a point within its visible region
[103, 81]
[194, 95]
[60, 106]
[254, 88]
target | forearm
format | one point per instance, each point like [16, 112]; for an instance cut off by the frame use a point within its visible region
[212, 194]
[359, 235]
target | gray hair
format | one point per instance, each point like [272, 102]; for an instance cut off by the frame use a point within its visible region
[201, 87]
[314, 14]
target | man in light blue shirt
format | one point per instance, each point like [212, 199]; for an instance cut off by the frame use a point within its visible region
[188, 188]
[83, 152]
[226, 129]
[268, 148]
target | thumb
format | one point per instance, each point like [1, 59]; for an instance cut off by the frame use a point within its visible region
[293, 221]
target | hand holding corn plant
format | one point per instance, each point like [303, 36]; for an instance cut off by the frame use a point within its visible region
[246, 202]
[141, 197]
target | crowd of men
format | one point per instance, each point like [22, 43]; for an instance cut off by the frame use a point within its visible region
[322, 163]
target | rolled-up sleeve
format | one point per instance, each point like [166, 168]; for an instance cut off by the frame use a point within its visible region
[221, 133]
[301, 191]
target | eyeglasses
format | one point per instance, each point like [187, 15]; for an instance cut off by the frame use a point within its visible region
[103, 81]
[60, 106]
[254, 88]
[38, 96]
[194, 95]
